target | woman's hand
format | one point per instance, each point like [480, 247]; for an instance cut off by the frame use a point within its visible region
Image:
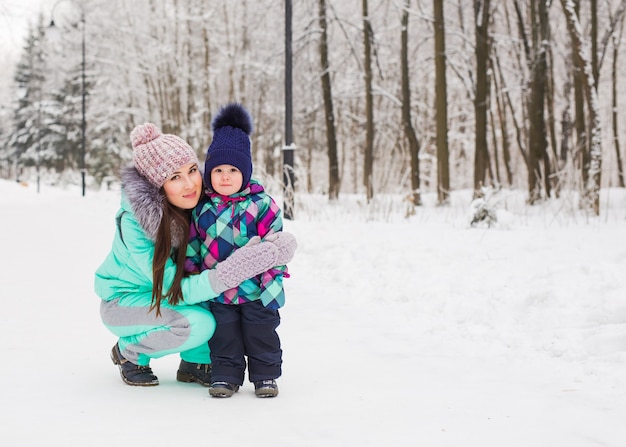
[246, 262]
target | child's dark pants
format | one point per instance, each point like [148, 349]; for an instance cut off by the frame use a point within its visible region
[247, 329]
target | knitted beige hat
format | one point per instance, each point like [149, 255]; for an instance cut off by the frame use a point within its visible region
[156, 155]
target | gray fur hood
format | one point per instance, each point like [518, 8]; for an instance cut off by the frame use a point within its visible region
[146, 202]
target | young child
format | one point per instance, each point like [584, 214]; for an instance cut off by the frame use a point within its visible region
[234, 210]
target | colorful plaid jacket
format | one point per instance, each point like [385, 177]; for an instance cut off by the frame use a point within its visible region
[220, 225]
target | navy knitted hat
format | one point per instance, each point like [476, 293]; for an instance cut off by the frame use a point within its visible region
[231, 142]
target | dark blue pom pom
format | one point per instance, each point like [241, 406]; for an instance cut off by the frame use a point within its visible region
[233, 115]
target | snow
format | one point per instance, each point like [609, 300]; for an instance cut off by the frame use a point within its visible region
[397, 331]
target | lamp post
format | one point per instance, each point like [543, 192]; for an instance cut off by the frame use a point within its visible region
[288, 174]
[83, 91]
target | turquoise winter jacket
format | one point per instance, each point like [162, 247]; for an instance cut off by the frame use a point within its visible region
[128, 267]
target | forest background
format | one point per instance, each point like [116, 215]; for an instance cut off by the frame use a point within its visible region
[373, 97]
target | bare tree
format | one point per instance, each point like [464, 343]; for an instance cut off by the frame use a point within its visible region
[407, 125]
[551, 160]
[598, 50]
[595, 65]
[536, 104]
[441, 101]
[614, 115]
[481, 18]
[611, 34]
[499, 97]
[502, 66]
[581, 155]
[331, 138]
[369, 106]
[591, 197]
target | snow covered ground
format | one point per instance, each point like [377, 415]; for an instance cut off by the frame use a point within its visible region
[397, 332]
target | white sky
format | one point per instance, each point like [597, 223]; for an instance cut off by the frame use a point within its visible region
[15, 16]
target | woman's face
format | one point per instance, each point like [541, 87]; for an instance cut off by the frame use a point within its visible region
[183, 187]
[226, 179]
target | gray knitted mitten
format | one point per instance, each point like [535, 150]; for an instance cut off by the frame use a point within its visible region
[246, 262]
[286, 245]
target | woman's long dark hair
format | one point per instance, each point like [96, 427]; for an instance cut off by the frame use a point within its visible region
[175, 222]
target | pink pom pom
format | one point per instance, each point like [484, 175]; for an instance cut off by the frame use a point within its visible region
[143, 134]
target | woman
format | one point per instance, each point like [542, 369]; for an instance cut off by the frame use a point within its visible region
[146, 299]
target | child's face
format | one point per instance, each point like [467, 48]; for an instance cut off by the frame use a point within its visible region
[226, 179]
